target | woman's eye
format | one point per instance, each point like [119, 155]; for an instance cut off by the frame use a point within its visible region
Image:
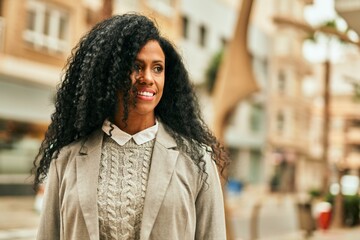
[137, 68]
[158, 69]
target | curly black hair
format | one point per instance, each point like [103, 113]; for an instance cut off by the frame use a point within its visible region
[99, 68]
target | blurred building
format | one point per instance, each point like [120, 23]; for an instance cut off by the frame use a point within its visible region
[288, 109]
[245, 134]
[203, 36]
[36, 37]
[274, 136]
[343, 58]
[295, 142]
[339, 61]
[349, 10]
[344, 141]
[166, 13]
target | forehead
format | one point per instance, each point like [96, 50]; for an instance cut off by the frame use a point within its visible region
[151, 51]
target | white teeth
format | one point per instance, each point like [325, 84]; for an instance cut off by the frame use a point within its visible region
[146, 94]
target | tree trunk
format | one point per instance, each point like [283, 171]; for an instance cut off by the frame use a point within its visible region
[338, 208]
[326, 129]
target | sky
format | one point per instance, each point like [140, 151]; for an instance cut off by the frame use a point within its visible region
[325, 48]
[321, 11]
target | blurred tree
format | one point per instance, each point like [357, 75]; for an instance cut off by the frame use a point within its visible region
[212, 70]
[338, 210]
[356, 87]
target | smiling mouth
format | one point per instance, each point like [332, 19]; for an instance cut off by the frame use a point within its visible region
[145, 94]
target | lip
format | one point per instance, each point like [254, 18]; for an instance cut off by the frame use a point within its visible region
[145, 94]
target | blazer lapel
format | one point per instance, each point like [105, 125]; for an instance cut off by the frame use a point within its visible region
[162, 167]
[87, 171]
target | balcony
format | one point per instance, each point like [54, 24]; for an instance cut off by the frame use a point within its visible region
[308, 2]
[349, 10]
[353, 160]
[353, 136]
[347, 5]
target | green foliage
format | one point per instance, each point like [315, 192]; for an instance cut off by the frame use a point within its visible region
[212, 71]
[356, 89]
[315, 193]
[351, 208]
[256, 116]
[330, 24]
[311, 37]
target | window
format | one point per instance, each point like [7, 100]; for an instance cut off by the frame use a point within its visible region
[355, 123]
[165, 7]
[256, 117]
[280, 122]
[185, 27]
[281, 81]
[255, 166]
[47, 26]
[202, 35]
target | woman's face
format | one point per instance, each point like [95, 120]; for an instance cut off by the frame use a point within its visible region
[148, 77]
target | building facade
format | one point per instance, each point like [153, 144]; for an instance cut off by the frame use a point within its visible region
[349, 10]
[164, 12]
[306, 106]
[36, 37]
[205, 35]
[276, 132]
[288, 109]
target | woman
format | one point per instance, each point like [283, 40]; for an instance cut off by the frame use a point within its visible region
[127, 155]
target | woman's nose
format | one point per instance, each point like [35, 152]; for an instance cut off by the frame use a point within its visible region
[147, 77]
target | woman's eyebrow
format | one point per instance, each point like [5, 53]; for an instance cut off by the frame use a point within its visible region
[158, 61]
[138, 60]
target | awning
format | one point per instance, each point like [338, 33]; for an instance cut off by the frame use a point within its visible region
[25, 102]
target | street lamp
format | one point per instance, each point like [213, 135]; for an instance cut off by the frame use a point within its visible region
[327, 49]
[323, 49]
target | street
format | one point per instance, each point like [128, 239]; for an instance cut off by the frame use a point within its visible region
[276, 216]
[277, 219]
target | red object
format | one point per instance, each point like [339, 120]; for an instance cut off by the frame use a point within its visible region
[324, 220]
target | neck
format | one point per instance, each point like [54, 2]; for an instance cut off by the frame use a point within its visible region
[134, 125]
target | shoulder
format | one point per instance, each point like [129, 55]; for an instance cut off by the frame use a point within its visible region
[66, 154]
[195, 159]
[77, 147]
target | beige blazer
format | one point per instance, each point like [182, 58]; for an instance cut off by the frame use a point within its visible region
[178, 204]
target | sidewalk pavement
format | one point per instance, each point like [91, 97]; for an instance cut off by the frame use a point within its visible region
[332, 234]
[19, 221]
[277, 218]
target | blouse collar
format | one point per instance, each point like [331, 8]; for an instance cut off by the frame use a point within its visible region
[122, 137]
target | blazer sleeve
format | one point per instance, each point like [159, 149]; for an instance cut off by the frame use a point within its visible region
[49, 227]
[210, 213]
